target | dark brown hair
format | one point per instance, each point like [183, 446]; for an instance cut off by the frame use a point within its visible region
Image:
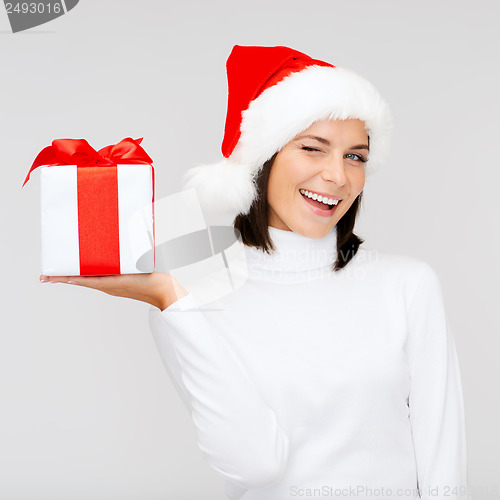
[254, 231]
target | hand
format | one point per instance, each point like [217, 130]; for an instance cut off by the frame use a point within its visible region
[157, 289]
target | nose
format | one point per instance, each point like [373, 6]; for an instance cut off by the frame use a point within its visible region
[334, 170]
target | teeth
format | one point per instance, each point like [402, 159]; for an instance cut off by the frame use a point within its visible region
[314, 196]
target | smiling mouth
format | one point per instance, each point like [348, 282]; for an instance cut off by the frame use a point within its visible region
[320, 204]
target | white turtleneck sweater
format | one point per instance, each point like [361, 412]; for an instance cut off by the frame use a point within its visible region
[308, 383]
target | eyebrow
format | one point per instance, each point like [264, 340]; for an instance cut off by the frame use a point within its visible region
[327, 142]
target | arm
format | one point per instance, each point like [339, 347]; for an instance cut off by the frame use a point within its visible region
[237, 432]
[436, 404]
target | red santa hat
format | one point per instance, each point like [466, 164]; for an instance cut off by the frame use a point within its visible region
[275, 93]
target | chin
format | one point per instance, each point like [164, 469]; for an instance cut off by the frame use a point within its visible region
[315, 232]
[319, 234]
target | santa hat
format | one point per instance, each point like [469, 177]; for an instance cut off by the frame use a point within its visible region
[275, 93]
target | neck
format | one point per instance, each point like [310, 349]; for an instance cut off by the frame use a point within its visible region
[296, 258]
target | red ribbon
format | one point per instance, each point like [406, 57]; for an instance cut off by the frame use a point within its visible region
[97, 184]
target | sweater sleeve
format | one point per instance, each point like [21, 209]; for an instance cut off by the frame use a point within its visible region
[237, 432]
[435, 400]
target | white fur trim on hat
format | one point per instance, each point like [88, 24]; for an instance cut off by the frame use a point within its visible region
[278, 115]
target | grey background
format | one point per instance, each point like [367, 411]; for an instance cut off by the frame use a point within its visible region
[87, 410]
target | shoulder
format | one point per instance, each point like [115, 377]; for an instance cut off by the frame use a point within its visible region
[394, 269]
[383, 261]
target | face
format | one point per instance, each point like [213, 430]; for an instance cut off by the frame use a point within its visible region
[332, 163]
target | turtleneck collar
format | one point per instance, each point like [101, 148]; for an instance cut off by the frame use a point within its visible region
[296, 258]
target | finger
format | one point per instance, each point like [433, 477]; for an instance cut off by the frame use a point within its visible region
[72, 280]
[83, 281]
[54, 279]
[96, 282]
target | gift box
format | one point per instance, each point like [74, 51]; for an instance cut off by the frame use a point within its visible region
[97, 208]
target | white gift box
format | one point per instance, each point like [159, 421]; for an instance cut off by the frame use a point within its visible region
[61, 245]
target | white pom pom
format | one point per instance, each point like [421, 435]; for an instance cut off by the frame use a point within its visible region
[223, 187]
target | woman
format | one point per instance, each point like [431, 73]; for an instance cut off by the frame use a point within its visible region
[332, 371]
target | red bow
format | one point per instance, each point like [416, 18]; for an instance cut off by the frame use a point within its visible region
[80, 153]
